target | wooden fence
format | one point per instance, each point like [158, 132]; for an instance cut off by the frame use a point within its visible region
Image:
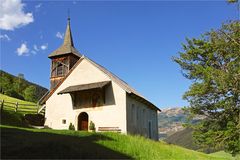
[21, 108]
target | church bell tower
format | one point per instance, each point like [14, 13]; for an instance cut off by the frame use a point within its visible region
[63, 58]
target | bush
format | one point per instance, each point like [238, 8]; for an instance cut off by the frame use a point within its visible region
[14, 94]
[92, 126]
[35, 119]
[71, 127]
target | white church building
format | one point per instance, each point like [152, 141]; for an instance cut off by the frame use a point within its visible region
[83, 91]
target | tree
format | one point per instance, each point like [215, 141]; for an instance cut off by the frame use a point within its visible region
[212, 63]
[30, 94]
[5, 83]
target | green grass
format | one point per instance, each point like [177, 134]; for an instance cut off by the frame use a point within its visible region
[25, 143]
[223, 154]
[21, 108]
[13, 119]
[11, 99]
[20, 142]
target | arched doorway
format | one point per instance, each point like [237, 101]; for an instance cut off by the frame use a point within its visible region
[83, 121]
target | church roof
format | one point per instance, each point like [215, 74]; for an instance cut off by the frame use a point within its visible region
[83, 87]
[113, 77]
[68, 46]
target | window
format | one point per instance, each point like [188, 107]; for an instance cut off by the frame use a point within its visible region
[132, 113]
[60, 70]
[64, 121]
[96, 98]
[137, 113]
[144, 118]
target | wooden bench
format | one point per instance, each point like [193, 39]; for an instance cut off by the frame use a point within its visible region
[109, 129]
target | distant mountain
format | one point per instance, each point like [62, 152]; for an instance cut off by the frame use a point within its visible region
[170, 121]
[18, 87]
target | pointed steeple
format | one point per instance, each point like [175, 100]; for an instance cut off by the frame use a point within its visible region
[68, 35]
[68, 46]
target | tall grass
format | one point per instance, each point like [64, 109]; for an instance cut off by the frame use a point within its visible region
[141, 148]
[75, 144]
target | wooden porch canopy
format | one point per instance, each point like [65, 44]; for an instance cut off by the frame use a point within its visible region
[84, 87]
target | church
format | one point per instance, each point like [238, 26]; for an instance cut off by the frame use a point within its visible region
[84, 92]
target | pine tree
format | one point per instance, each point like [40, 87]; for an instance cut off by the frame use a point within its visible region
[212, 63]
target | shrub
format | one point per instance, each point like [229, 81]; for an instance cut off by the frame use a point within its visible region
[35, 119]
[92, 126]
[71, 127]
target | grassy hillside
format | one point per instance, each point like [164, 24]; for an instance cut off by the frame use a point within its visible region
[183, 138]
[23, 107]
[26, 112]
[14, 100]
[18, 87]
[45, 143]
[225, 155]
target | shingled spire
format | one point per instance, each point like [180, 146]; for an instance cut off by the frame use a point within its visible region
[68, 46]
[68, 35]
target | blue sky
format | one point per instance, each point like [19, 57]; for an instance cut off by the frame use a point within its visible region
[135, 40]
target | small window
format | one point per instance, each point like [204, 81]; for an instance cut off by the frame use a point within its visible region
[64, 121]
[137, 113]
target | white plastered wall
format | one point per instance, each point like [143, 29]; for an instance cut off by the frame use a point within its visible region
[139, 115]
[59, 107]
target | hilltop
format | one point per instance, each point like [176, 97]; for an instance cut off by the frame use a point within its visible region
[19, 87]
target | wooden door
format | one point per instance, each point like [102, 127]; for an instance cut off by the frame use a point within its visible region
[83, 121]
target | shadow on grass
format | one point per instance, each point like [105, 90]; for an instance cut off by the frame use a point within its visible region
[22, 144]
[12, 118]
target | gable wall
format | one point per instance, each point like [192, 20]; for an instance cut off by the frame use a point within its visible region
[59, 107]
[139, 115]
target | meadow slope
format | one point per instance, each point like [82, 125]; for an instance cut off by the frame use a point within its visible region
[18, 141]
[22, 143]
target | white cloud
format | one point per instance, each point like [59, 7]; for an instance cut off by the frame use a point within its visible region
[60, 35]
[44, 46]
[4, 37]
[33, 52]
[12, 15]
[35, 47]
[38, 6]
[23, 49]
